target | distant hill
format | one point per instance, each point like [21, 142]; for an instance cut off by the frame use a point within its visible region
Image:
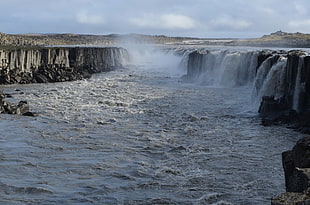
[277, 39]
[81, 39]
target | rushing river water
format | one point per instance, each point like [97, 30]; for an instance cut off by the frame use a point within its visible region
[136, 136]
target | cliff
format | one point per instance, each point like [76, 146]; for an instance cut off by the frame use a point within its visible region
[280, 80]
[280, 83]
[40, 65]
[286, 95]
[296, 165]
[277, 39]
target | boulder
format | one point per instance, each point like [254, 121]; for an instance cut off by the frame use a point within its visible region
[291, 198]
[296, 165]
[271, 105]
[22, 108]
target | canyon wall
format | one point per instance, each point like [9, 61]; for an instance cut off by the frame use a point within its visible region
[280, 83]
[280, 80]
[51, 64]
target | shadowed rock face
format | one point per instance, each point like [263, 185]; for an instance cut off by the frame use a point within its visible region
[41, 65]
[22, 108]
[296, 165]
[292, 103]
[280, 80]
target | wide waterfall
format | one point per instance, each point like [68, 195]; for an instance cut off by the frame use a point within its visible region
[269, 80]
[298, 85]
[144, 134]
[222, 67]
[270, 73]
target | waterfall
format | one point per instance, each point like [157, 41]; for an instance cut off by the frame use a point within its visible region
[298, 86]
[270, 79]
[222, 68]
[278, 75]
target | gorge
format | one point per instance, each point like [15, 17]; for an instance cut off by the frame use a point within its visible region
[123, 103]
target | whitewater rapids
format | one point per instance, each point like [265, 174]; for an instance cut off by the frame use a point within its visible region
[139, 136]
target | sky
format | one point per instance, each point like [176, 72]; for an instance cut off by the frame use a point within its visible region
[195, 18]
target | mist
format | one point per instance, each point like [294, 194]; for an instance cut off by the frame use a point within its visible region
[156, 58]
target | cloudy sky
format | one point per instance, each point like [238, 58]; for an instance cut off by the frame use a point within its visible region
[199, 18]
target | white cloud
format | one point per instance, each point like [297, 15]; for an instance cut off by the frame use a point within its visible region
[167, 21]
[230, 23]
[268, 11]
[85, 17]
[301, 9]
[301, 26]
[177, 21]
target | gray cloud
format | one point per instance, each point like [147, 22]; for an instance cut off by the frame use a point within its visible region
[203, 18]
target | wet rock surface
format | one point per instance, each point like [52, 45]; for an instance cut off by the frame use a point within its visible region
[42, 65]
[296, 165]
[21, 108]
[287, 99]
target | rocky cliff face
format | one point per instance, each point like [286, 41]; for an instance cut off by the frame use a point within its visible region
[296, 164]
[285, 95]
[222, 67]
[280, 80]
[40, 65]
[280, 83]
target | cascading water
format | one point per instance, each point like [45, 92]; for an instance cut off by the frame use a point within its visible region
[298, 86]
[228, 68]
[269, 79]
[142, 136]
[222, 67]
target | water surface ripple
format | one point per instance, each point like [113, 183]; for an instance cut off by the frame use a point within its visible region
[138, 137]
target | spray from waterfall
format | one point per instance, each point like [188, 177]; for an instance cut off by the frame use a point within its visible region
[157, 58]
[270, 79]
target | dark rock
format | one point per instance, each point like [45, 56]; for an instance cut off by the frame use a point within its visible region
[42, 65]
[39, 78]
[22, 108]
[291, 198]
[268, 122]
[30, 114]
[2, 96]
[8, 95]
[8, 107]
[296, 165]
[270, 105]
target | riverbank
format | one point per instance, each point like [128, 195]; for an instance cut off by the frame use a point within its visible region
[57, 64]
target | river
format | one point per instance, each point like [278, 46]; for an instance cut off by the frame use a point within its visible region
[139, 135]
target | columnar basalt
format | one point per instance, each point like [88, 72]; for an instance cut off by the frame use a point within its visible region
[280, 80]
[296, 165]
[41, 65]
[281, 86]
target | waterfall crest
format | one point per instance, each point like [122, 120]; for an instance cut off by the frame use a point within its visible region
[222, 67]
[278, 75]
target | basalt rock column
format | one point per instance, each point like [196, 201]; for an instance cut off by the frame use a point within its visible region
[41, 65]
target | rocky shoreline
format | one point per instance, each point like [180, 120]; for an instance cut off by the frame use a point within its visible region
[21, 108]
[296, 165]
[280, 79]
[286, 102]
[289, 105]
[57, 64]
[53, 64]
[282, 88]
